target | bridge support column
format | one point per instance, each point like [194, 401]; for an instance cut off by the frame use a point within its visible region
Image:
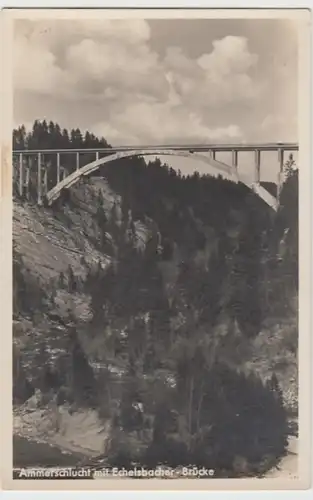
[21, 176]
[212, 154]
[58, 168]
[257, 163]
[45, 181]
[63, 173]
[27, 178]
[97, 155]
[281, 160]
[77, 161]
[281, 172]
[39, 181]
[234, 158]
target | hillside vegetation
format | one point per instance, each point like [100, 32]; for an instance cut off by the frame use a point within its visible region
[165, 305]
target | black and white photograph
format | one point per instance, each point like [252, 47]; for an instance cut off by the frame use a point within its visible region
[155, 248]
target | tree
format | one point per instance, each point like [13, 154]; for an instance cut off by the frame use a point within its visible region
[65, 139]
[51, 129]
[22, 387]
[76, 138]
[83, 381]
[19, 138]
[87, 140]
[61, 280]
[71, 280]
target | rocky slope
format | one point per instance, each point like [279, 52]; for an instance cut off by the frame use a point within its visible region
[53, 244]
[48, 242]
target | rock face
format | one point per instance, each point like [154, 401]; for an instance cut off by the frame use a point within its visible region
[51, 240]
[81, 432]
[48, 242]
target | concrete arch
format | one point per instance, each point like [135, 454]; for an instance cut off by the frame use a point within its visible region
[229, 171]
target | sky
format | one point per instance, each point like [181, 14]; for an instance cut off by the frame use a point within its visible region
[137, 81]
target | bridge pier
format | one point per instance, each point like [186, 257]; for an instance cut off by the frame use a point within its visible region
[39, 181]
[63, 173]
[212, 153]
[234, 159]
[45, 181]
[58, 168]
[257, 164]
[21, 172]
[77, 161]
[280, 173]
[281, 160]
[27, 179]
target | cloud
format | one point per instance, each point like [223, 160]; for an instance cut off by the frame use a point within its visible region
[147, 95]
[163, 123]
[116, 65]
[218, 77]
[34, 68]
[57, 33]
[230, 55]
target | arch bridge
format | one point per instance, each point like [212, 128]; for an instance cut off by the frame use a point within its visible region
[50, 187]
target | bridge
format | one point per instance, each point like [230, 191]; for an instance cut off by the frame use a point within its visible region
[51, 181]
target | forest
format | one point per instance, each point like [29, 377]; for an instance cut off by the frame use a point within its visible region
[178, 318]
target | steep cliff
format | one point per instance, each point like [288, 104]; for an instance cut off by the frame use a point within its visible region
[118, 295]
[50, 246]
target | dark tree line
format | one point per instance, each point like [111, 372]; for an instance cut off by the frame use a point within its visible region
[49, 135]
[46, 135]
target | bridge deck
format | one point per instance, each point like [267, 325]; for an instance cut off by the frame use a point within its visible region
[286, 146]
